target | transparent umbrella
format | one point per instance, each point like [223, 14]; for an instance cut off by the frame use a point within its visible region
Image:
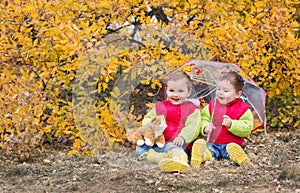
[204, 76]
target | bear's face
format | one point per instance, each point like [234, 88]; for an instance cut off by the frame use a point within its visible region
[160, 125]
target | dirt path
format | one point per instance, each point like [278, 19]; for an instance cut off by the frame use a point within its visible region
[274, 167]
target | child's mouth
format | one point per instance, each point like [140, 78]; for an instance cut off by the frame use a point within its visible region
[176, 99]
[221, 98]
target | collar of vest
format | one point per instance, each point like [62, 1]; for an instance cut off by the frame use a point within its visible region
[234, 101]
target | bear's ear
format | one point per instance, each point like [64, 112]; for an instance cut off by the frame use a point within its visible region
[161, 118]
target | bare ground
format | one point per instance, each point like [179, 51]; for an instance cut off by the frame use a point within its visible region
[274, 167]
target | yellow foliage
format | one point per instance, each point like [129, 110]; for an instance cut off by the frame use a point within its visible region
[65, 75]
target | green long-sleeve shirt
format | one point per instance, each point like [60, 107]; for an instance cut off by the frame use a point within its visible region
[191, 128]
[240, 128]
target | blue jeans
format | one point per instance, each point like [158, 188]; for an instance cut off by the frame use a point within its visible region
[139, 150]
[218, 151]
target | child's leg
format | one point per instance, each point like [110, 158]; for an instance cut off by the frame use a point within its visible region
[154, 153]
[178, 161]
[236, 154]
[139, 150]
[156, 157]
[200, 153]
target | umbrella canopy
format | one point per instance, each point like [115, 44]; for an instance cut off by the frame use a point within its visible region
[204, 76]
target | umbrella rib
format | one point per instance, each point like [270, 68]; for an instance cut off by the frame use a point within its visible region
[209, 92]
[260, 118]
[206, 93]
[203, 81]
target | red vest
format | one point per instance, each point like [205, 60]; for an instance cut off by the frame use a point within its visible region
[175, 115]
[234, 110]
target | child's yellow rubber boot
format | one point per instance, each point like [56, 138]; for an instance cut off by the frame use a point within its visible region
[155, 157]
[237, 154]
[200, 153]
[178, 162]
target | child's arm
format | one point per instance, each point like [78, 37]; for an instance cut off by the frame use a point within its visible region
[192, 127]
[205, 119]
[149, 116]
[243, 126]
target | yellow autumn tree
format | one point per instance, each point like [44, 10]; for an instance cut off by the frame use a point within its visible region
[74, 70]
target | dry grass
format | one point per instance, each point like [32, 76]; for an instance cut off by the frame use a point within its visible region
[274, 167]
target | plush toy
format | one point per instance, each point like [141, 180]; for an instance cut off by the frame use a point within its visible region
[150, 133]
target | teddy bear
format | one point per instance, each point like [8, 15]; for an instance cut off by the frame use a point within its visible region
[149, 134]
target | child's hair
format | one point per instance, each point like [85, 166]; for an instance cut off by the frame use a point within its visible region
[234, 78]
[178, 75]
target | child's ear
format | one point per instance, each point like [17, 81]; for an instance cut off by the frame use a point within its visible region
[190, 91]
[239, 93]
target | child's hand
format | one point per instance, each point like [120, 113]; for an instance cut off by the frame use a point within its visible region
[179, 141]
[209, 128]
[226, 121]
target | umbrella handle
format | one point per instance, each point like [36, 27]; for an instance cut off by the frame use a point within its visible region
[208, 137]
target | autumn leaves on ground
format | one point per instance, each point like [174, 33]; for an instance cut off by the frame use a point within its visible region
[274, 167]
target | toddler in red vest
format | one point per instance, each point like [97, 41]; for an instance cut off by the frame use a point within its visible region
[225, 122]
[183, 125]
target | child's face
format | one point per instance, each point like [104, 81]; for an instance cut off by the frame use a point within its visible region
[226, 92]
[177, 91]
